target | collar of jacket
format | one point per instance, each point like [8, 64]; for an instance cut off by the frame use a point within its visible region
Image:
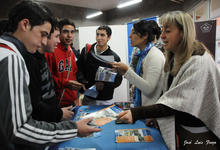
[19, 45]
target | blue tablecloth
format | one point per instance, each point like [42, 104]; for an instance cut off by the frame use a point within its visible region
[105, 140]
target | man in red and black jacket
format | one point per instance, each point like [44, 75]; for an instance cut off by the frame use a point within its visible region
[87, 67]
[63, 66]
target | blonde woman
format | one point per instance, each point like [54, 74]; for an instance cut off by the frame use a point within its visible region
[188, 112]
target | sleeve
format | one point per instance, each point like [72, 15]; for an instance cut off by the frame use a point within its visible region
[80, 65]
[152, 111]
[60, 82]
[134, 59]
[151, 78]
[47, 111]
[194, 88]
[26, 129]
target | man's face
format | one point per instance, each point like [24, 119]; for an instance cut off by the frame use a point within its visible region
[102, 38]
[67, 34]
[36, 36]
[52, 42]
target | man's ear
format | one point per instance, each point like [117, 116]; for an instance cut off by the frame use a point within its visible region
[25, 24]
[109, 37]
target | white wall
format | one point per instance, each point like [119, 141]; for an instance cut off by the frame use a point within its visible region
[217, 49]
[118, 43]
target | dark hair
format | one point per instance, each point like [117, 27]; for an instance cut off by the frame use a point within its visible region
[55, 26]
[156, 29]
[106, 28]
[3, 26]
[64, 22]
[144, 27]
[36, 13]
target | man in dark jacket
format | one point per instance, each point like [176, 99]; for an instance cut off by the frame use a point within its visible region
[42, 90]
[89, 62]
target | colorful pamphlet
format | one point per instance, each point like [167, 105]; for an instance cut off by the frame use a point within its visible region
[133, 135]
[104, 116]
[92, 92]
[80, 115]
[105, 74]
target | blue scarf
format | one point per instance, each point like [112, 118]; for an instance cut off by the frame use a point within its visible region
[141, 54]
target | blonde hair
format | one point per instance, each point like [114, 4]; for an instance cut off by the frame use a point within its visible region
[185, 49]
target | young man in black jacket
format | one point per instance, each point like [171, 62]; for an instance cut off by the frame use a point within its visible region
[42, 90]
[88, 64]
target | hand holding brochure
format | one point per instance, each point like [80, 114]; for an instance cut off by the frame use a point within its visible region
[105, 74]
[133, 135]
[104, 116]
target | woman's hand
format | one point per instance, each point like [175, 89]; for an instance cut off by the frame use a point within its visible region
[120, 67]
[125, 116]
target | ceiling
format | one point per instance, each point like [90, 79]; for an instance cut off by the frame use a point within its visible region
[93, 4]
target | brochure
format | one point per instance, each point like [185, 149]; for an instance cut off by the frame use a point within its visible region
[105, 74]
[80, 115]
[133, 135]
[104, 116]
[92, 92]
[108, 58]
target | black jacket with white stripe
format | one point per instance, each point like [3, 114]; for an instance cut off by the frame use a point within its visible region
[17, 128]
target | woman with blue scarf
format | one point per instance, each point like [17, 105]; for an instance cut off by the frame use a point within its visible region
[147, 64]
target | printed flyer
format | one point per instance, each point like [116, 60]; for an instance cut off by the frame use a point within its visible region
[104, 116]
[133, 135]
[105, 74]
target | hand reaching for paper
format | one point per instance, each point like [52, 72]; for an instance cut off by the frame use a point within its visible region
[84, 129]
[67, 113]
[125, 116]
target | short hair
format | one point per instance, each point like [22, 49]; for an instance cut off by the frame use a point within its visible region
[106, 28]
[55, 26]
[36, 13]
[3, 26]
[64, 22]
[145, 27]
[156, 29]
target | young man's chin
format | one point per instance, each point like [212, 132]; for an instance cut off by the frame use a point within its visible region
[32, 50]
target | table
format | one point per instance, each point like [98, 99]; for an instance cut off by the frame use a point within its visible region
[105, 140]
